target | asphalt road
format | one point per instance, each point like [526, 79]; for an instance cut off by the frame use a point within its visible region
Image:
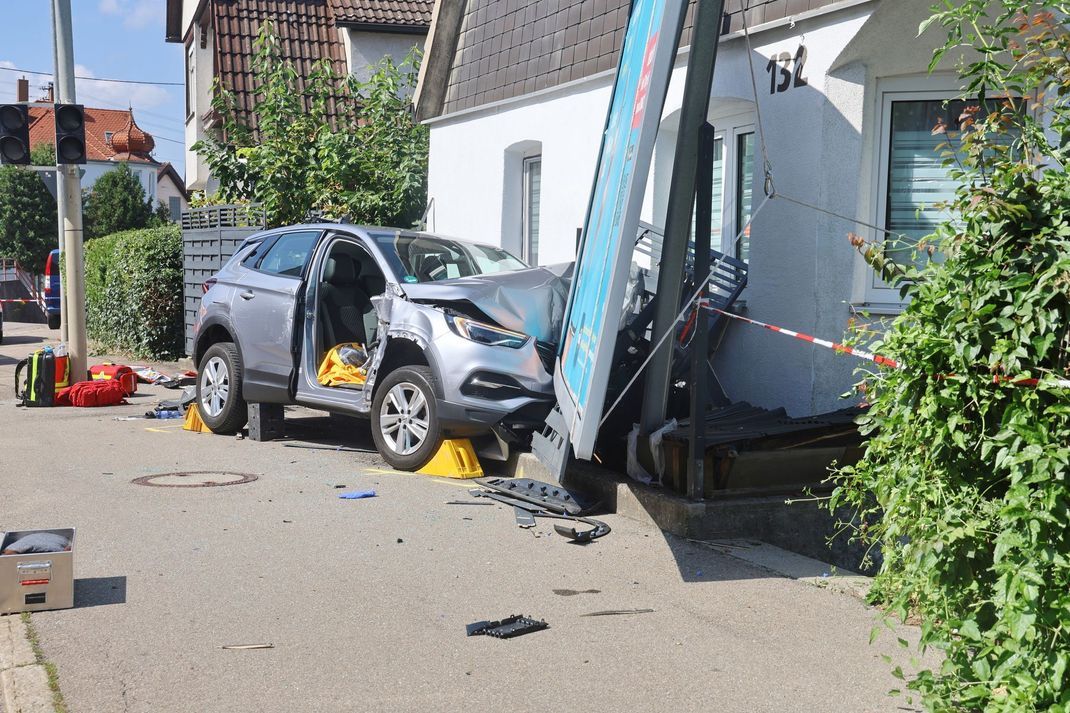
[366, 601]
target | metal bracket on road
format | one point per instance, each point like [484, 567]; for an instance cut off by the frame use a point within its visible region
[598, 528]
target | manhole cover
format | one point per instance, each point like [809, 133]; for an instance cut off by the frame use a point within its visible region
[195, 479]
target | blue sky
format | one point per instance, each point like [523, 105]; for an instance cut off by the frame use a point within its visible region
[119, 39]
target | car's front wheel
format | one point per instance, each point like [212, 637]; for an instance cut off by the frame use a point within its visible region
[219, 396]
[405, 424]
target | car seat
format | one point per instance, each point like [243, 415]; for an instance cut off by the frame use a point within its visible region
[345, 305]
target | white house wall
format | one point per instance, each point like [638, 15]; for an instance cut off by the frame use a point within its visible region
[200, 102]
[467, 168]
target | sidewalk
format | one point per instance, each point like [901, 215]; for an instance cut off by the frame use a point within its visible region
[23, 681]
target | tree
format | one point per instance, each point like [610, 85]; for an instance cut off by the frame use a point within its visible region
[322, 144]
[117, 202]
[28, 222]
[964, 484]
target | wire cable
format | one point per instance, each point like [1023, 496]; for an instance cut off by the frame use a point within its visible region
[100, 79]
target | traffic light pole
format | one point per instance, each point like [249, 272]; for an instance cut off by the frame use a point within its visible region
[69, 198]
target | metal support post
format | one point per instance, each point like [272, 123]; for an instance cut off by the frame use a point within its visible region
[696, 103]
[700, 342]
[69, 194]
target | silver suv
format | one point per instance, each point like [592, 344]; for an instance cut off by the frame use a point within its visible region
[460, 337]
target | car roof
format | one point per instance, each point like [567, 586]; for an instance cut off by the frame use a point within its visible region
[364, 231]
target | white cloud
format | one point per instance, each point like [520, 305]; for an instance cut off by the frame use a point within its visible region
[92, 93]
[136, 14]
[7, 81]
[115, 95]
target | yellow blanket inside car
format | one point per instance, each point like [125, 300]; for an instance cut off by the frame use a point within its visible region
[334, 370]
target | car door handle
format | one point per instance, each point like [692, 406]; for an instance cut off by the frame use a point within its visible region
[247, 295]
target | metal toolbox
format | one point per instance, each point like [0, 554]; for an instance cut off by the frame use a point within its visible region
[37, 581]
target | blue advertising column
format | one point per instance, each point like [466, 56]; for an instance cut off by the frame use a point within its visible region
[597, 293]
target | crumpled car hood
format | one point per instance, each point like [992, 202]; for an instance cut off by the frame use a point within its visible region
[530, 301]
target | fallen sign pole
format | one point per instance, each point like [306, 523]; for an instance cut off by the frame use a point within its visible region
[870, 356]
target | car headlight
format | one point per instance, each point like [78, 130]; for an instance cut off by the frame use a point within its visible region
[486, 333]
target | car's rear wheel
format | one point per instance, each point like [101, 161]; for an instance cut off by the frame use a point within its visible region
[53, 321]
[219, 396]
[405, 424]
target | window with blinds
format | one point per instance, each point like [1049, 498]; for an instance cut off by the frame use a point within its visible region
[744, 192]
[532, 194]
[918, 182]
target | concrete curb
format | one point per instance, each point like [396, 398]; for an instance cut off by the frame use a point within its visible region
[23, 681]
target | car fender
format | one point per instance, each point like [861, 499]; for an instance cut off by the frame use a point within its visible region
[395, 309]
[215, 320]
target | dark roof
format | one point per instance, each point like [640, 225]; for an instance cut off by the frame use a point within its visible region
[415, 14]
[306, 35]
[508, 48]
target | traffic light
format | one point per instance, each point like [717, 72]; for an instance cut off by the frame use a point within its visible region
[70, 133]
[14, 134]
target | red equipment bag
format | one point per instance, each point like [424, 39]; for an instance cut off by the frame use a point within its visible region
[123, 374]
[92, 393]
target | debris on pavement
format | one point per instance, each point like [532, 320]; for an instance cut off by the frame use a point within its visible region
[617, 612]
[524, 518]
[340, 449]
[507, 628]
[597, 530]
[465, 502]
[542, 500]
[247, 647]
[574, 592]
[357, 494]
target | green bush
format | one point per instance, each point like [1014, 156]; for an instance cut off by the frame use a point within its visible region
[134, 292]
[964, 483]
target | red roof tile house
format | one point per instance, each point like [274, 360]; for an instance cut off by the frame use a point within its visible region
[218, 36]
[111, 137]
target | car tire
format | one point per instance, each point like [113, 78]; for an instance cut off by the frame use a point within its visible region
[405, 424]
[53, 321]
[219, 382]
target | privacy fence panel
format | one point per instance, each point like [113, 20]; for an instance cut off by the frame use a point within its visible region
[209, 237]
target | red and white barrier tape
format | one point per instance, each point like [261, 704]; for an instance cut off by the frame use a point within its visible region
[24, 302]
[862, 354]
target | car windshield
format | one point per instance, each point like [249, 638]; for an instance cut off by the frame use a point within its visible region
[424, 258]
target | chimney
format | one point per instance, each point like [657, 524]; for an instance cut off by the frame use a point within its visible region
[49, 96]
[22, 90]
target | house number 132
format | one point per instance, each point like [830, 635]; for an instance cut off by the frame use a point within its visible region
[785, 71]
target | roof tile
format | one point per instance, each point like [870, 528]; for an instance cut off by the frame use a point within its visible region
[98, 124]
[402, 13]
[307, 34]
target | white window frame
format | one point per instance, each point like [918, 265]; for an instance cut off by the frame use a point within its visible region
[879, 296]
[525, 198]
[729, 136]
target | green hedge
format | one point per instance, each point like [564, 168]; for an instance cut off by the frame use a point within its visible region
[133, 292]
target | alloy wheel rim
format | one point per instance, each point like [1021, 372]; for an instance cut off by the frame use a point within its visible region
[215, 386]
[404, 419]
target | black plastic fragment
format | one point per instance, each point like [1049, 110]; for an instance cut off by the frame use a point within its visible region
[507, 628]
